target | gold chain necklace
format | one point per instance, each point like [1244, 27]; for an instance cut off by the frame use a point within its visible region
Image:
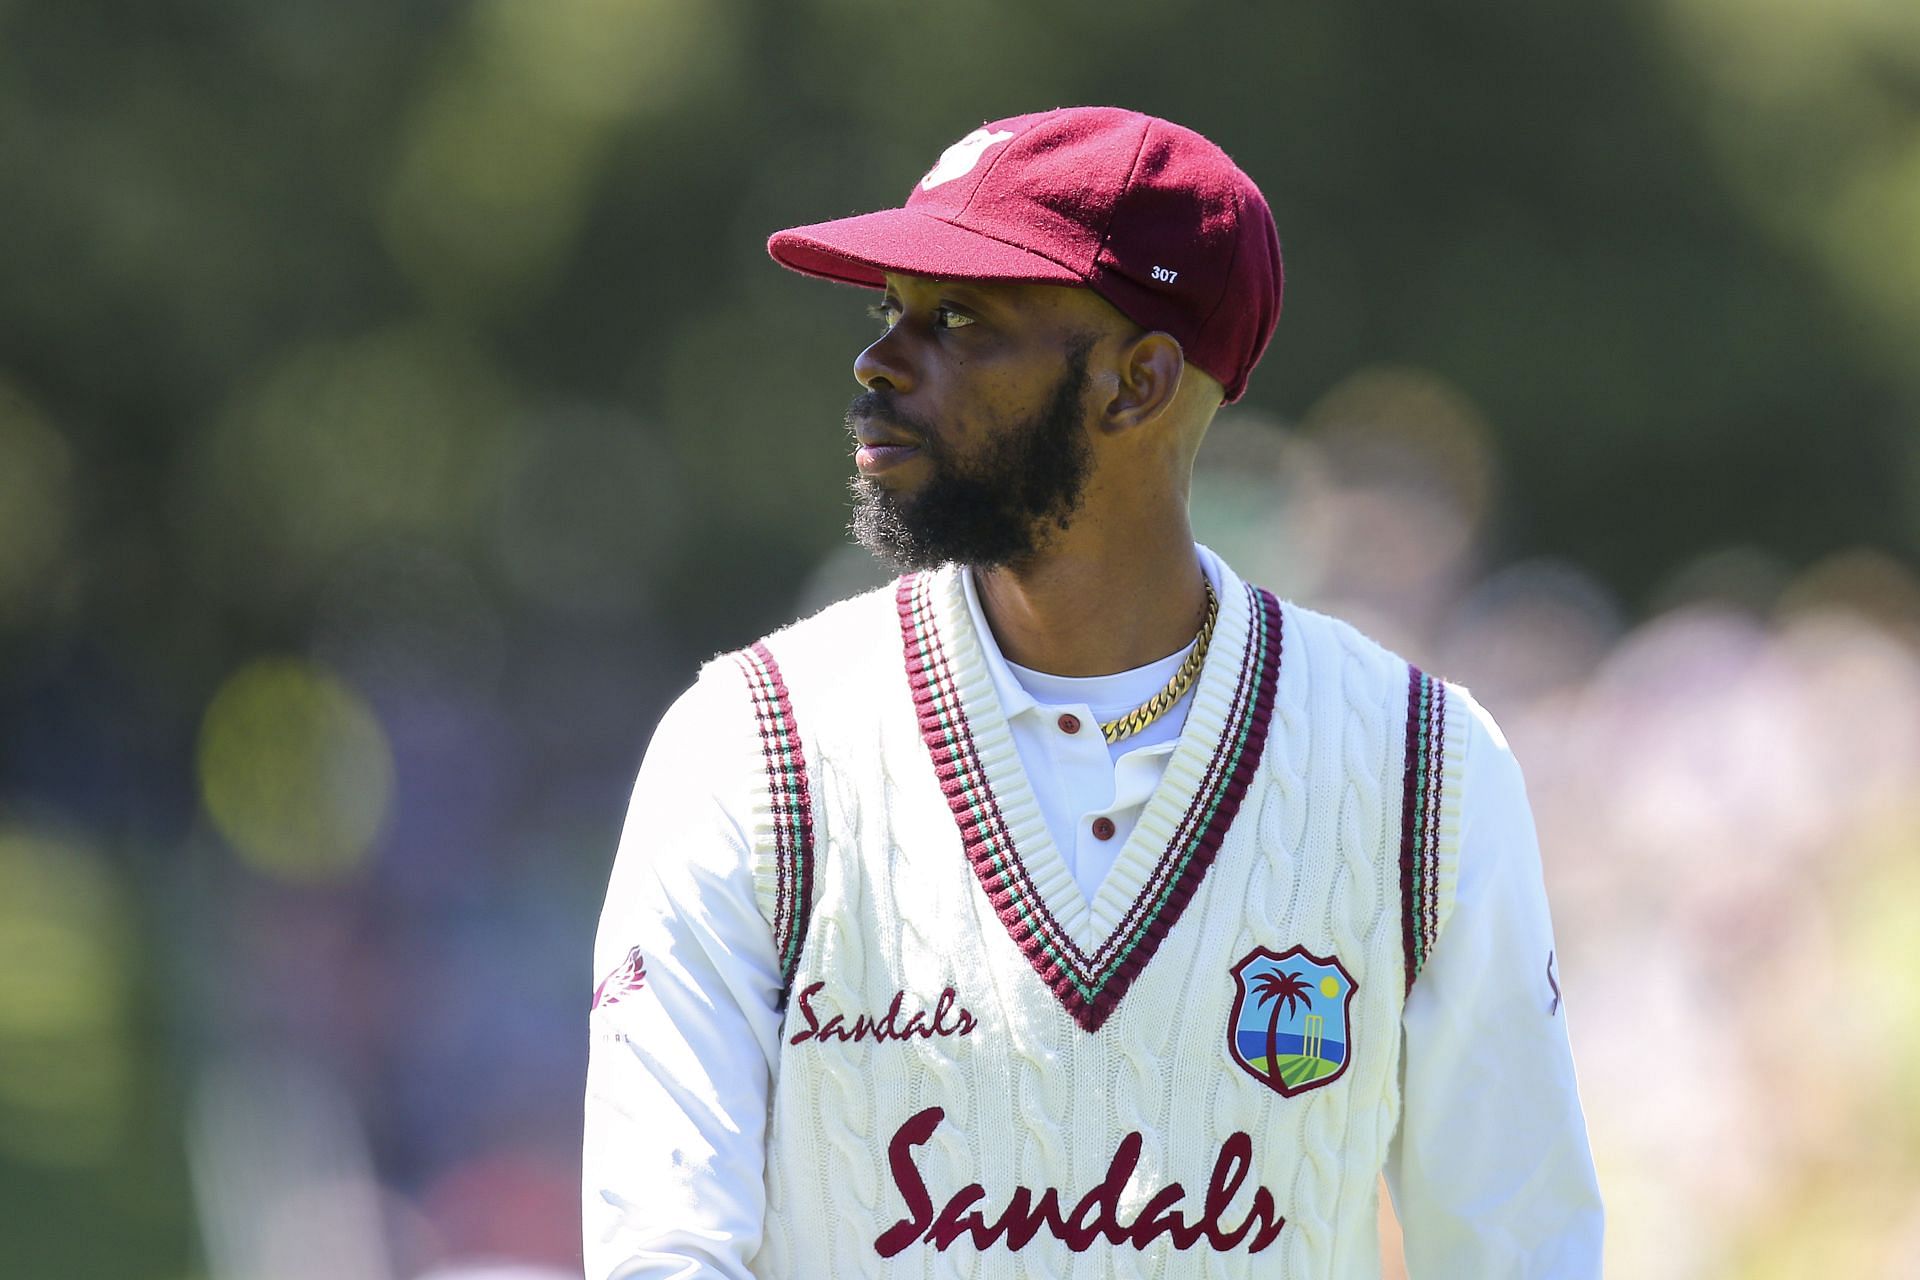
[1156, 706]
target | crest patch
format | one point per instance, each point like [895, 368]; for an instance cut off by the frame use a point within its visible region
[1289, 1028]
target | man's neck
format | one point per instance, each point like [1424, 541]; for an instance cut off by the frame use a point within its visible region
[1072, 614]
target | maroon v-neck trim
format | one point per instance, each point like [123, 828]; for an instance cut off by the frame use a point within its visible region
[1089, 987]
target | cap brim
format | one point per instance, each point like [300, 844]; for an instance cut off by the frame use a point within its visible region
[863, 249]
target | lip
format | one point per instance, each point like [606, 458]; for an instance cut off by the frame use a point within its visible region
[882, 446]
[873, 431]
[875, 458]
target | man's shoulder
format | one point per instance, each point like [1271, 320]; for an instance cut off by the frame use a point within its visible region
[1322, 636]
[871, 616]
[839, 639]
[1312, 639]
[1318, 647]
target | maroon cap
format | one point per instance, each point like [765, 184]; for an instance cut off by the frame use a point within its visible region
[1149, 215]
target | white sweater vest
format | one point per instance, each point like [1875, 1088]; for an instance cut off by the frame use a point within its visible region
[981, 1073]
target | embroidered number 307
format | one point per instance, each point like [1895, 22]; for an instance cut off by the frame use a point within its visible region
[1165, 276]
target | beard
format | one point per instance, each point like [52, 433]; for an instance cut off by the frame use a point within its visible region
[995, 510]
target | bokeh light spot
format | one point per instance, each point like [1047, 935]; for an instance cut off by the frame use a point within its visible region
[606, 59]
[295, 770]
[35, 502]
[500, 154]
[64, 1056]
[1411, 428]
[334, 445]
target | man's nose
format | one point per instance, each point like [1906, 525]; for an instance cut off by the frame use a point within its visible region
[883, 364]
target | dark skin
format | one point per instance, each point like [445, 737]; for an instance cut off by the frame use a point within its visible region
[1119, 586]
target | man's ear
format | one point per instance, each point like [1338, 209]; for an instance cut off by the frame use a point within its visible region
[1147, 373]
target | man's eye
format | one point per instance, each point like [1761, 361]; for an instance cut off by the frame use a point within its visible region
[889, 312]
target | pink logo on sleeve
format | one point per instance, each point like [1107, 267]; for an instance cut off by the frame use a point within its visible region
[624, 981]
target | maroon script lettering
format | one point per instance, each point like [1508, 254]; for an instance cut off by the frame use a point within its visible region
[944, 1019]
[1095, 1216]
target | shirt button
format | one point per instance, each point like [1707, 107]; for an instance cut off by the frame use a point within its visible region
[1069, 723]
[1103, 828]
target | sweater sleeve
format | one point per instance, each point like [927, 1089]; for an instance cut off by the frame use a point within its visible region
[684, 1026]
[1490, 1170]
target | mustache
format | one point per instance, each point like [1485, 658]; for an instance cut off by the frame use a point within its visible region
[878, 406]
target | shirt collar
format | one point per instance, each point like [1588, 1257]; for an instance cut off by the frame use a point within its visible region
[1014, 698]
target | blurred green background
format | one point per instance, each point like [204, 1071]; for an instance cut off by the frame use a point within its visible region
[397, 404]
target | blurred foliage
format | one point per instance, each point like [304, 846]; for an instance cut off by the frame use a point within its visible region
[428, 354]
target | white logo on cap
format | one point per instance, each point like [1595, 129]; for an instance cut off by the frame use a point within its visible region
[957, 161]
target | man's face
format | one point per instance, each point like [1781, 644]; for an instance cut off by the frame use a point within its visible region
[972, 428]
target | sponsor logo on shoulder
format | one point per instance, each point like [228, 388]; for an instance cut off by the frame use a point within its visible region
[627, 979]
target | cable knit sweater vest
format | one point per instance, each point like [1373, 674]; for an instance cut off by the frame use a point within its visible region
[983, 1074]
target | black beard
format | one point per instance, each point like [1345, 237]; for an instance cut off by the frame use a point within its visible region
[990, 512]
